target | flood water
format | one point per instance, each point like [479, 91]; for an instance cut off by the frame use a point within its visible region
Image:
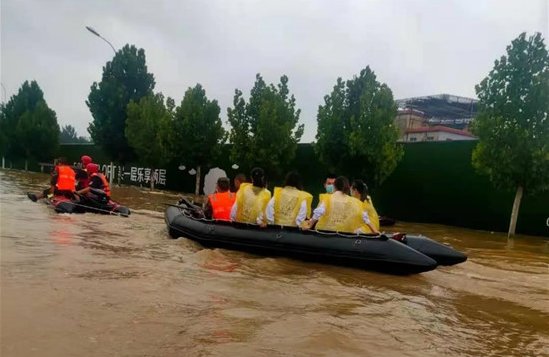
[94, 285]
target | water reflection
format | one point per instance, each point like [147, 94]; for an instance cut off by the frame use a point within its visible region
[103, 285]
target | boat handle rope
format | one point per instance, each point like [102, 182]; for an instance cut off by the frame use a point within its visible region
[186, 210]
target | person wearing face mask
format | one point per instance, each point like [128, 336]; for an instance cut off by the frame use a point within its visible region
[328, 187]
[359, 190]
[339, 212]
[329, 183]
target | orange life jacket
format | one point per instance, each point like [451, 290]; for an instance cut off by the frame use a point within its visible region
[106, 187]
[222, 202]
[66, 178]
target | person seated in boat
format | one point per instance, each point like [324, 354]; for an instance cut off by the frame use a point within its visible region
[251, 199]
[339, 212]
[238, 180]
[359, 190]
[329, 183]
[81, 173]
[219, 204]
[289, 205]
[62, 183]
[98, 181]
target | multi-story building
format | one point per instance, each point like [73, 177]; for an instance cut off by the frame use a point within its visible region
[440, 117]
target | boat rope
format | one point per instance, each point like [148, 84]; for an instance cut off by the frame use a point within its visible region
[186, 211]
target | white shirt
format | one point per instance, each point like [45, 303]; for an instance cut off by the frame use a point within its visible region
[301, 215]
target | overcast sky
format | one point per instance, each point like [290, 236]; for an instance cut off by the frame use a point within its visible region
[417, 47]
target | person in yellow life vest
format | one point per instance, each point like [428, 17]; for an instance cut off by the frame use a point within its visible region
[63, 182]
[339, 212]
[290, 206]
[251, 199]
[359, 190]
[219, 204]
[97, 181]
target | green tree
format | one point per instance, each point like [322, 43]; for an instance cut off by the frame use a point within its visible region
[124, 79]
[356, 132]
[29, 126]
[512, 124]
[148, 129]
[68, 135]
[38, 132]
[27, 98]
[198, 131]
[3, 128]
[265, 131]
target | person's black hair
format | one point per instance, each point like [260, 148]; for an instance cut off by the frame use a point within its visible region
[293, 179]
[342, 184]
[223, 183]
[240, 177]
[258, 177]
[62, 160]
[331, 175]
[362, 188]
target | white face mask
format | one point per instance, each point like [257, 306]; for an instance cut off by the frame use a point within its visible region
[329, 188]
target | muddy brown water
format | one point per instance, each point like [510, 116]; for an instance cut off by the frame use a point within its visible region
[95, 285]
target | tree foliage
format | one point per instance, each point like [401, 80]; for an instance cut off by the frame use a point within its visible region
[29, 126]
[264, 130]
[3, 129]
[512, 124]
[356, 132]
[124, 79]
[68, 135]
[198, 131]
[38, 132]
[148, 129]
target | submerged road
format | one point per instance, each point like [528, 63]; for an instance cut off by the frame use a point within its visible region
[94, 285]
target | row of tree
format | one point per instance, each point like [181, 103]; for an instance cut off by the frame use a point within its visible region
[131, 121]
[355, 133]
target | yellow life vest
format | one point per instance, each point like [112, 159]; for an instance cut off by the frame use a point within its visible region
[368, 206]
[343, 213]
[251, 202]
[287, 204]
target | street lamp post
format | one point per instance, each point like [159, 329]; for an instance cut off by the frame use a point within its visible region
[101, 37]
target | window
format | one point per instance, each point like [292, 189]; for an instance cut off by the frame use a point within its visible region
[430, 138]
[413, 139]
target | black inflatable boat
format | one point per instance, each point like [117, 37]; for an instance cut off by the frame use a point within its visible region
[98, 204]
[382, 253]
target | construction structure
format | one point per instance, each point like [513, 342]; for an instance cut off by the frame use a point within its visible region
[441, 117]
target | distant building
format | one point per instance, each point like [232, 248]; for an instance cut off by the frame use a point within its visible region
[440, 117]
[436, 133]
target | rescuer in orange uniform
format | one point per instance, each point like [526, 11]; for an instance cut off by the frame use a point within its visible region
[219, 204]
[97, 181]
[63, 182]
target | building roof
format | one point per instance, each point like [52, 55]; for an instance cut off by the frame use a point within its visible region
[440, 128]
[442, 106]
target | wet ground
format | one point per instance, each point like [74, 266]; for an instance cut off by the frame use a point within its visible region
[95, 285]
